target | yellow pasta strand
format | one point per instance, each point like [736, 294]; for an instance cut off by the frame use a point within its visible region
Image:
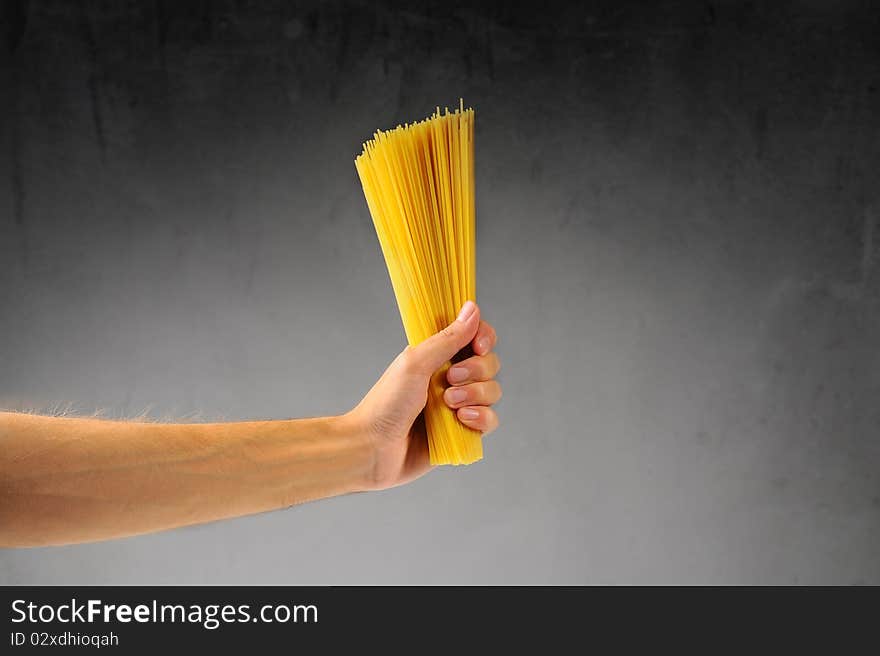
[418, 181]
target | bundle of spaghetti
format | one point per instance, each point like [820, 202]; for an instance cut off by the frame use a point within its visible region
[418, 180]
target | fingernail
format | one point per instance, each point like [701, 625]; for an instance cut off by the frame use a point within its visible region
[483, 344]
[457, 375]
[456, 395]
[468, 414]
[466, 311]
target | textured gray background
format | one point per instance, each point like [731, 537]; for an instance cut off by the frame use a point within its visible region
[679, 243]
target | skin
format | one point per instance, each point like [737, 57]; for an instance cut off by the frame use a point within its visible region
[66, 480]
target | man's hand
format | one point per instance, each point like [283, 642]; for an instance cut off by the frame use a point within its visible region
[390, 414]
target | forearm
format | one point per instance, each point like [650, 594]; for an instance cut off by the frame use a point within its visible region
[66, 480]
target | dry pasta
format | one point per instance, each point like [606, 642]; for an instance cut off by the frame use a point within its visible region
[418, 180]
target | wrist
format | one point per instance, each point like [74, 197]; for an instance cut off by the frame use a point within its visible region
[300, 460]
[350, 430]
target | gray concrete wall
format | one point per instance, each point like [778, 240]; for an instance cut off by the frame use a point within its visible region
[679, 244]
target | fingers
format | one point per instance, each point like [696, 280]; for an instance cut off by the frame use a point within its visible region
[485, 339]
[438, 349]
[474, 369]
[479, 418]
[473, 388]
[485, 393]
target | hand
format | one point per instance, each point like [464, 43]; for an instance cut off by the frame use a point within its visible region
[390, 414]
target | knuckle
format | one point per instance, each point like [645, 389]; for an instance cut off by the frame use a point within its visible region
[478, 369]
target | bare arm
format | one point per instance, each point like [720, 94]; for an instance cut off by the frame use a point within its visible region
[66, 480]
[72, 480]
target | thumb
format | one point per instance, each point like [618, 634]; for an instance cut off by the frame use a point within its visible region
[439, 348]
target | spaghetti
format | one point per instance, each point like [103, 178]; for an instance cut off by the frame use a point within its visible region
[418, 180]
